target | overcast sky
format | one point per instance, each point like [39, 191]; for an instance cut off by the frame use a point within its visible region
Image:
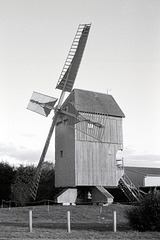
[122, 57]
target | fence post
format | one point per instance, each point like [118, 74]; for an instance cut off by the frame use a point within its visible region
[10, 205]
[48, 206]
[114, 221]
[30, 221]
[68, 222]
[100, 209]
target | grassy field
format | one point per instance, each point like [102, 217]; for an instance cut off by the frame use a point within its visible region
[87, 222]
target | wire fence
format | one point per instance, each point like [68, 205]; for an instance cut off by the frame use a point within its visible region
[58, 216]
[10, 203]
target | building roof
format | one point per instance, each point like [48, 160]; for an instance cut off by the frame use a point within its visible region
[145, 171]
[137, 174]
[94, 102]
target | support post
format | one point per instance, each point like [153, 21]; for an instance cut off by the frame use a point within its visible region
[114, 221]
[48, 206]
[100, 209]
[30, 221]
[68, 222]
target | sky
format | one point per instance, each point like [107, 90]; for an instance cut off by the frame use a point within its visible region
[122, 58]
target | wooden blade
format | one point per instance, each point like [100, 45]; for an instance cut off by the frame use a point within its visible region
[41, 103]
[70, 69]
[86, 126]
[74, 116]
[42, 158]
[71, 113]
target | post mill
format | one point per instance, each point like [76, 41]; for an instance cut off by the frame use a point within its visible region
[88, 135]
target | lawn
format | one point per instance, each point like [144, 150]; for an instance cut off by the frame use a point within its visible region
[87, 222]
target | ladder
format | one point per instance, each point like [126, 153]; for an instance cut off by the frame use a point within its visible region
[35, 183]
[74, 57]
[129, 189]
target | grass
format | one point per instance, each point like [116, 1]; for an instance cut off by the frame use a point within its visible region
[87, 222]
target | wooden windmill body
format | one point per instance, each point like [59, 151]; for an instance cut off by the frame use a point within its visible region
[88, 134]
[86, 154]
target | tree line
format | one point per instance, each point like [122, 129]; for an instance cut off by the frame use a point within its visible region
[15, 182]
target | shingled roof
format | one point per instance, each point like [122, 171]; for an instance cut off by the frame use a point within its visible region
[94, 102]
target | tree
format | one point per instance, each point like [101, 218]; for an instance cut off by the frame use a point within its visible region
[7, 174]
[46, 187]
[22, 183]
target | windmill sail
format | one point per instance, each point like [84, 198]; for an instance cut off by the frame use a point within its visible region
[41, 103]
[37, 176]
[70, 69]
[71, 113]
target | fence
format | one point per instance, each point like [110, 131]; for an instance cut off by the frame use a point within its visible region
[9, 203]
[66, 214]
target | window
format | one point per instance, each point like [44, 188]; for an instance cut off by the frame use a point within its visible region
[61, 153]
[90, 125]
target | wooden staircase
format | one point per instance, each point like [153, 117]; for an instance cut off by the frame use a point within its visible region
[130, 190]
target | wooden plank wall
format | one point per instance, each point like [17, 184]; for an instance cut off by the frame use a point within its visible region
[96, 160]
[112, 133]
[87, 161]
[64, 165]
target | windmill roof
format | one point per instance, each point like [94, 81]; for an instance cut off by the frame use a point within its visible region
[94, 102]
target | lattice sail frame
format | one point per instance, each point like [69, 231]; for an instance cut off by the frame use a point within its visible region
[71, 65]
[65, 83]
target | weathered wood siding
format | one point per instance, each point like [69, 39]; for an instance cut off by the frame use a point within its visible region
[95, 161]
[112, 133]
[96, 164]
[64, 156]
[87, 161]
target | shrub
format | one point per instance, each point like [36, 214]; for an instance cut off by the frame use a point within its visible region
[146, 216]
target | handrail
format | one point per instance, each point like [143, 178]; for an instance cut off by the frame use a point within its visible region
[128, 185]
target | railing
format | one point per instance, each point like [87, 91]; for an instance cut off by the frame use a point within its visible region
[120, 163]
[129, 189]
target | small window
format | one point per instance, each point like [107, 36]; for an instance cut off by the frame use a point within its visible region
[90, 125]
[65, 122]
[61, 153]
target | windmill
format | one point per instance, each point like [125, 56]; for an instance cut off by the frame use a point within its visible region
[88, 135]
[43, 104]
